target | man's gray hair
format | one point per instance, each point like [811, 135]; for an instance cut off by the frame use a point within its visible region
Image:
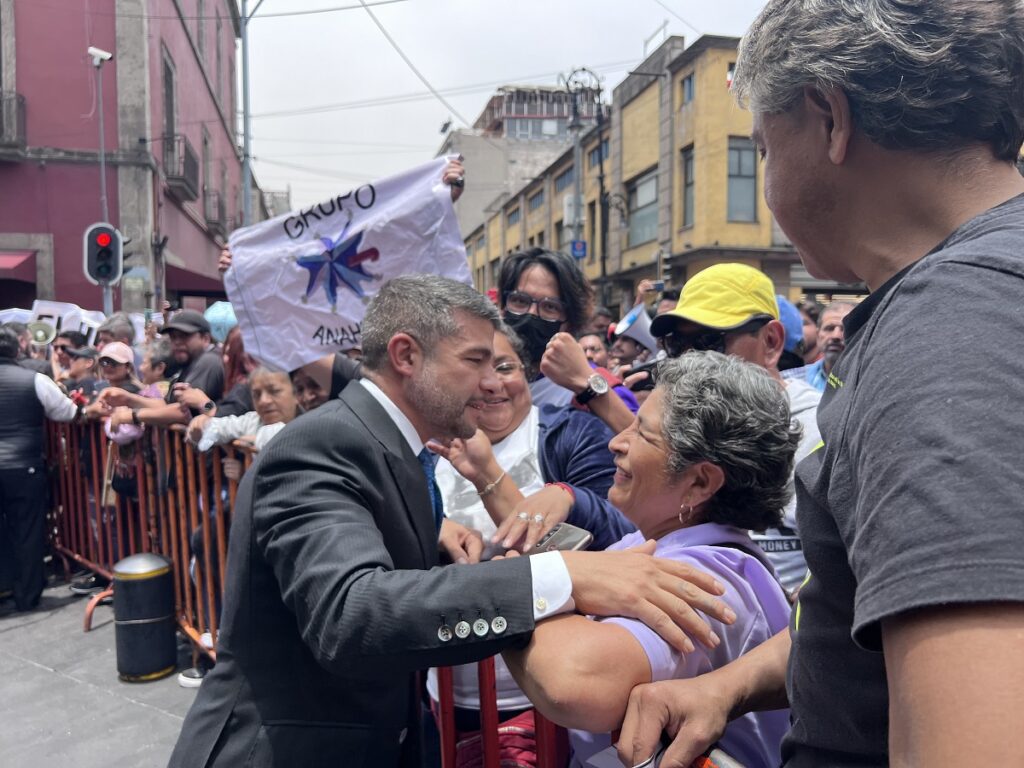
[731, 413]
[119, 325]
[929, 75]
[422, 306]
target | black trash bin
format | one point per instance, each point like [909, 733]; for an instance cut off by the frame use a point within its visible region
[144, 626]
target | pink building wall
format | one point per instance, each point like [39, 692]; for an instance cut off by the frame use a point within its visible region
[54, 188]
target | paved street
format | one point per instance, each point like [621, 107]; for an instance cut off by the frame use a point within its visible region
[62, 702]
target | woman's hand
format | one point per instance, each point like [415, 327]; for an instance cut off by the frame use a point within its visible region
[119, 416]
[224, 263]
[472, 458]
[533, 517]
[114, 397]
[233, 468]
[97, 410]
[197, 426]
[462, 544]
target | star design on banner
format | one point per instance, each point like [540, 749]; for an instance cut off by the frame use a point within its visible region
[340, 263]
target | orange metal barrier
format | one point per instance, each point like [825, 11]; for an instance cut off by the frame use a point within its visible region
[181, 509]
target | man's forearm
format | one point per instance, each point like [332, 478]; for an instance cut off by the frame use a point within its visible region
[759, 677]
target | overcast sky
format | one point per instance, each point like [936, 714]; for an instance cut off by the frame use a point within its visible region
[320, 67]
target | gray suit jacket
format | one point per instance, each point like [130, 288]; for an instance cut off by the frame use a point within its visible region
[334, 599]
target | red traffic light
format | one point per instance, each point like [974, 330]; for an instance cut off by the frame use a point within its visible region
[103, 239]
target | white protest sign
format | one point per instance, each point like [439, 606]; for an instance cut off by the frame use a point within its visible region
[300, 283]
[65, 316]
[15, 315]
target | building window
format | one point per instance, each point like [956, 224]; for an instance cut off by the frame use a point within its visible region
[562, 236]
[218, 87]
[687, 174]
[170, 108]
[536, 201]
[643, 209]
[513, 216]
[598, 153]
[742, 180]
[540, 239]
[730, 74]
[564, 179]
[689, 86]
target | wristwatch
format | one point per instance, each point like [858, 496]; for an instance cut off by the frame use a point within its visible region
[208, 406]
[596, 385]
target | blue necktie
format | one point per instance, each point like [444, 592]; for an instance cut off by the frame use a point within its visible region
[427, 462]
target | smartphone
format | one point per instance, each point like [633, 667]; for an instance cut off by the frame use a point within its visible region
[658, 285]
[651, 369]
[563, 537]
[148, 314]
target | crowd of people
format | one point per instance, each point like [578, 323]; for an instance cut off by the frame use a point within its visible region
[795, 520]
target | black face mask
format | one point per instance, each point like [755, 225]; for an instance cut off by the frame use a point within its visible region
[534, 332]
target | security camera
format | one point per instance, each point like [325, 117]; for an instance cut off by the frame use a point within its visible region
[98, 55]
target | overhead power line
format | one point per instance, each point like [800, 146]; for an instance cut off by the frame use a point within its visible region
[659, 2]
[412, 66]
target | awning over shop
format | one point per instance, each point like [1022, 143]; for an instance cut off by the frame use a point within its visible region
[187, 282]
[18, 265]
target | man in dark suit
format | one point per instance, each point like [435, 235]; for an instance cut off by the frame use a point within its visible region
[333, 599]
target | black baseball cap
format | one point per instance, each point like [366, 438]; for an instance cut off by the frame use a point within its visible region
[187, 321]
[90, 352]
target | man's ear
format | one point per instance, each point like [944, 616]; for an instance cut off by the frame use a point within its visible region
[773, 337]
[404, 354]
[831, 108]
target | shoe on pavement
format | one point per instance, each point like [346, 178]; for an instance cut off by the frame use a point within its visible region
[191, 677]
[89, 584]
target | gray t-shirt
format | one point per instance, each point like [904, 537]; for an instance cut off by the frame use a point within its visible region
[914, 499]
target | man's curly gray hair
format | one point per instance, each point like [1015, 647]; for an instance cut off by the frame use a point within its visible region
[919, 74]
[731, 413]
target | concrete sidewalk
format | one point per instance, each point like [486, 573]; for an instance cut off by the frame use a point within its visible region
[61, 702]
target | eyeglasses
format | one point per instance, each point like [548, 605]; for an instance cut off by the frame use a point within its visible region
[508, 370]
[676, 344]
[61, 347]
[106, 362]
[548, 308]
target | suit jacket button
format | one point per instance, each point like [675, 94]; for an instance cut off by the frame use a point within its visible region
[444, 633]
[462, 630]
[481, 627]
[499, 625]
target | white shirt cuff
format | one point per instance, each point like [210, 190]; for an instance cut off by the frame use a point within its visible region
[552, 586]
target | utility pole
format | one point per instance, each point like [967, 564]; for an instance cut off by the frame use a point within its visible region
[98, 57]
[246, 116]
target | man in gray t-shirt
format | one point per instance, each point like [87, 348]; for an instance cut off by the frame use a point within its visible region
[889, 133]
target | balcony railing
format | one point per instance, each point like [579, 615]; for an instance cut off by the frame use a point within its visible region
[216, 220]
[181, 167]
[12, 125]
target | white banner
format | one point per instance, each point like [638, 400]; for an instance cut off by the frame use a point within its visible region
[300, 283]
[15, 315]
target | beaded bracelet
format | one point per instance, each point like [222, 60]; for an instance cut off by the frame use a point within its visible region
[489, 488]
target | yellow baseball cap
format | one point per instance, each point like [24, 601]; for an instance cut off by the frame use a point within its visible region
[723, 297]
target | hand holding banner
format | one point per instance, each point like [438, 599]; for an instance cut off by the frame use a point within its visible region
[300, 283]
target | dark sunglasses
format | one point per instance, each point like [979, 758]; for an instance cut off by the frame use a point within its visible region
[62, 347]
[676, 344]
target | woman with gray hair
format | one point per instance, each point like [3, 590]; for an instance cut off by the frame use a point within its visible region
[707, 457]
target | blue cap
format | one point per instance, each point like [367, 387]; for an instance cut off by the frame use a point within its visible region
[792, 321]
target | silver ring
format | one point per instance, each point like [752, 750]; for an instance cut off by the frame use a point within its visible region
[523, 516]
[538, 518]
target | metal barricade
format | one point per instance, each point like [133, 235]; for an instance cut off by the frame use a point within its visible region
[182, 510]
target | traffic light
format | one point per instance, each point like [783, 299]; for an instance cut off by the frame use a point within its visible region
[103, 255]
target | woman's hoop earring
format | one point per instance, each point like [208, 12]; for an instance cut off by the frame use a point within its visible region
[685, 510]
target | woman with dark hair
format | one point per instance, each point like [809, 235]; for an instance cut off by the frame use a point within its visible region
[708, 457]
[542, 293]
